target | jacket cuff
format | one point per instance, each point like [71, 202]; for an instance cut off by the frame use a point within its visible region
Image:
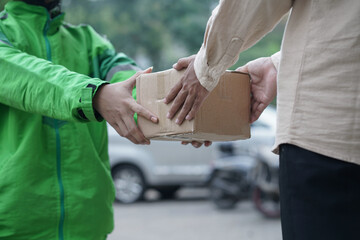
[275, 58]
[208, 77]
[87, 111]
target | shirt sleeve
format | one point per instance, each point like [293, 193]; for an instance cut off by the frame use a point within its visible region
[234, 26]
[275, 58]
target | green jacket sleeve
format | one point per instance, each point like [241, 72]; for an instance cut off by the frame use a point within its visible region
[107, 63]
[37, 86]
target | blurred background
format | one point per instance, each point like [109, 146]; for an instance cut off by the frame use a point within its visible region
[158, 32]
[166, 190]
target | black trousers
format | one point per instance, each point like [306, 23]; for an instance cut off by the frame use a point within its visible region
[319, 196]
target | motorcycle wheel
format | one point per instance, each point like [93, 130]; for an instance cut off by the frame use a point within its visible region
[221, 199]
[267, 204]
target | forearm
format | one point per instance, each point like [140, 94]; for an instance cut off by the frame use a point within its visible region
[233, 27]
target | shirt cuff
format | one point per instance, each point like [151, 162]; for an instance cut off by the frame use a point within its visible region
[207, 76]
[275, 58]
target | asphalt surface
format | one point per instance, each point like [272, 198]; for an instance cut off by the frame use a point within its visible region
[191, 217]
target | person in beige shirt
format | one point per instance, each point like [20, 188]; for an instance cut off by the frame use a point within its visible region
[316, 78]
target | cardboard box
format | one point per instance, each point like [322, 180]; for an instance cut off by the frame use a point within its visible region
[224, 115]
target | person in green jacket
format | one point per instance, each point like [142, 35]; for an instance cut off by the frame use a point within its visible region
[57, 83]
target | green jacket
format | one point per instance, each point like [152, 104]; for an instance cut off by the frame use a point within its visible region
[55, 180]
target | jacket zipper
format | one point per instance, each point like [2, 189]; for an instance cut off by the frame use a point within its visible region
[58, 142]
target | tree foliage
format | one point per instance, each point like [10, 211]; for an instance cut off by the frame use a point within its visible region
[157, 32]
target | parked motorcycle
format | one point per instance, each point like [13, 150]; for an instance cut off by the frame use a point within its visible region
[252, 176]
[266, 194]
[231, 181]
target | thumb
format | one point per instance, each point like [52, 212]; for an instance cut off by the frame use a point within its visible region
[148, 70]
[183, 63]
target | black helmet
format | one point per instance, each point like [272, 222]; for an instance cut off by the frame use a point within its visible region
[48, 4]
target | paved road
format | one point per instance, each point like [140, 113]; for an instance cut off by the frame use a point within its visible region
[191, 217]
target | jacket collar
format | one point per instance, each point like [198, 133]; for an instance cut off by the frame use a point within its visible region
[23, 10]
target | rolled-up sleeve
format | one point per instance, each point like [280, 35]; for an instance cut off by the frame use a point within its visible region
[234, 26]
[275, 58]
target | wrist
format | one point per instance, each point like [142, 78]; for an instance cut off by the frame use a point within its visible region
[271, 77]
[99, 97]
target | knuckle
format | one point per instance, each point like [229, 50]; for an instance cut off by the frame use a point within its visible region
[198, 101]
[145, 114]
[137, 74]
[133, 130]
[187, 105]
[195, 107]
[178, 85]
[137, 109]
[193, 91]
[184, 93]
[176, 104]
[186, 86]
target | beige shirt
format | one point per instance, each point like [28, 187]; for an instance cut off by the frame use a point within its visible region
[318, 100]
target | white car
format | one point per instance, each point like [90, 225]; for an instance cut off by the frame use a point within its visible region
[262, 137]
[262, 134]
[165, 166]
